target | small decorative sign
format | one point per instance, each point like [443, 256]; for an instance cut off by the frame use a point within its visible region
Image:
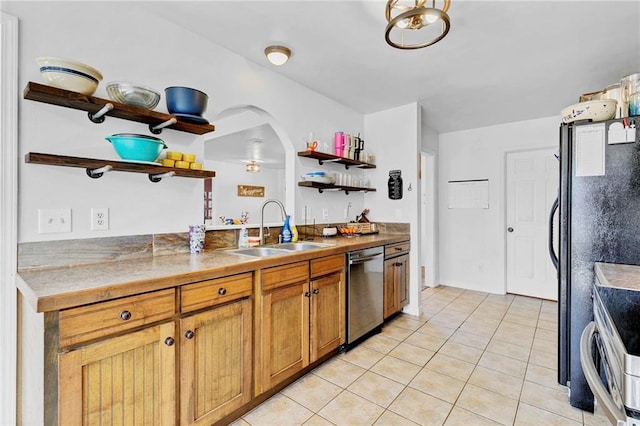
[395, 184]
[250, 191]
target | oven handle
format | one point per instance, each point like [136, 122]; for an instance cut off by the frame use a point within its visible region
[616, 415]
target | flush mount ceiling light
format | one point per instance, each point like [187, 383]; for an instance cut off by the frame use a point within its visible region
[253, 166]
[414, 24]
[277, 55]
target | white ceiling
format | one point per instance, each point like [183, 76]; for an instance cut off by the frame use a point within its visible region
[502, 61]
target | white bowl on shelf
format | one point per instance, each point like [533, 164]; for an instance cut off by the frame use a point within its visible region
[69, 74]
[320, 179]
[597, 110]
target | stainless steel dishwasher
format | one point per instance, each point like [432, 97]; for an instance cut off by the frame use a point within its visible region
[365, 280]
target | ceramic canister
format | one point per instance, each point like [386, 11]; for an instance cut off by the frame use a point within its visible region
[196, 238]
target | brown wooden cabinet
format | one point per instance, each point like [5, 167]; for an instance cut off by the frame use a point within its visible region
[299, 317]
[396, 277]
[128, 379]
[113, 370]
[215, 363]
[215, 348]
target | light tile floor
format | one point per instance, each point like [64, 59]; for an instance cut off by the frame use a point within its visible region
[470, 359]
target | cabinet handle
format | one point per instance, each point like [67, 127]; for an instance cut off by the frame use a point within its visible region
[398, 264]
[189, 334]
[307, 294]
[316, 291]
[125, 315]
[222, 291]
[169, 341]
[398, 248]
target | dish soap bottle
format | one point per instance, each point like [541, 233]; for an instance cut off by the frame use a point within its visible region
[286, 230]
[294, 231]
[243, 238]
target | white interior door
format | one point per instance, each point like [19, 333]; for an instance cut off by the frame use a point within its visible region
[532, 185]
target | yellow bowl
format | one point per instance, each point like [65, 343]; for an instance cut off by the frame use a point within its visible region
[189, 157]
[182, 164]
[196, 166]
[174, 155]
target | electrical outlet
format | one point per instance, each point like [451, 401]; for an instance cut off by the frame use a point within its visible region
[54, 221]
[99, 219]
[325, 214]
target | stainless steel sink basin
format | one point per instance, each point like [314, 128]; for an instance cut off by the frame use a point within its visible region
[260, 251]
[302, 246]
[276, 249]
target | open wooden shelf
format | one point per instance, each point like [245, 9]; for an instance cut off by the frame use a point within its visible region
[322, 187]
[324, 157]
[91, 165]
[90, 104]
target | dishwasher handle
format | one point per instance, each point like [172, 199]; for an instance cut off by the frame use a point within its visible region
[363, 259]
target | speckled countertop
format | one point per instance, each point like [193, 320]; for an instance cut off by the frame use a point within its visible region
[59, 288]
[619, 276]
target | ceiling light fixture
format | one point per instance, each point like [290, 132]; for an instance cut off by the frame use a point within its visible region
[253, 166]
[413, 25]
[277, 55]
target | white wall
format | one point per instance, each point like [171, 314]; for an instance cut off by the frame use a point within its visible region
[395, 135]
[228, 203]
[472, 241]
[150, 51]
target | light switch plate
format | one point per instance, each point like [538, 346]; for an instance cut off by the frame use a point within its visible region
[52, 221]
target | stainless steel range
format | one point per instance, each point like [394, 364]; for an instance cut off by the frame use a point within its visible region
[610, 349]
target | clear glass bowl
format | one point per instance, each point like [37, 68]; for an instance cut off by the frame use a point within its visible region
[133, 94]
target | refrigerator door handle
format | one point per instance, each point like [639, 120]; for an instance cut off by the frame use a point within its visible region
[552, 252]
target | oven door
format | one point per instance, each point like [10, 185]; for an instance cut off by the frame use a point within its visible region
[603, 395]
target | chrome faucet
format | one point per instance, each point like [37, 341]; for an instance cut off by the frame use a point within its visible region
[283, 212]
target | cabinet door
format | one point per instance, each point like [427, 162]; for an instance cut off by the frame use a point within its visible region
[390, 302]
[402, 277]
[215, 363]
[327, 314]
[122, 380]
[284, 333]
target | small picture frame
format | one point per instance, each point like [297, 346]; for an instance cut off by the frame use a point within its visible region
[250, 191]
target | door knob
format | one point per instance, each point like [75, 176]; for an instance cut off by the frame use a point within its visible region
[510, 229]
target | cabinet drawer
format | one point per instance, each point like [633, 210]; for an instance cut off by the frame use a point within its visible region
[280, 276]
[327, 265]
[214, 292]
[85, 323]
[396, 249]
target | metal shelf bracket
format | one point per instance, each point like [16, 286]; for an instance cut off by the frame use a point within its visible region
[98, 117]
[97, 173]
[157, 129]
[155, 178]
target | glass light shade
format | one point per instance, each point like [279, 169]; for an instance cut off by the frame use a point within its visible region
[253, 167]
[430, 18]
[277, 55]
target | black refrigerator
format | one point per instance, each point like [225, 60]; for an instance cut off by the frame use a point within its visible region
[599, 221]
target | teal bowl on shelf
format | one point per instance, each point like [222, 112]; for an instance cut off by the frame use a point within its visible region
[135, 147]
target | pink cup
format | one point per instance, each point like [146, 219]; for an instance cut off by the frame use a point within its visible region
[338, 143]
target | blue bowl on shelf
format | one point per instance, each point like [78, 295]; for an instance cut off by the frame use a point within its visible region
[185, 100]
[137, 147]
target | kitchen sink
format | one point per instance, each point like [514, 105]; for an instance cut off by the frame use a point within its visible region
[260, 251]
[276, 249]
[302, 246]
